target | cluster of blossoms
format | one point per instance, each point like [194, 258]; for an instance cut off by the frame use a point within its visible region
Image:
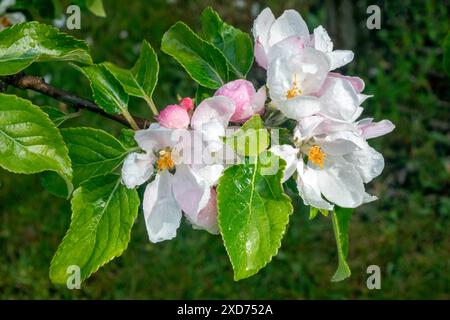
[9, 19]
[329, 154]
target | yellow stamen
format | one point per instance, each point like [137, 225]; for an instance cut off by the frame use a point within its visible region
[165, 160]
[294, 91]
[316, 156]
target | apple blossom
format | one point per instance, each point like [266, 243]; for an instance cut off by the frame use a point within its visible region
[174, 116]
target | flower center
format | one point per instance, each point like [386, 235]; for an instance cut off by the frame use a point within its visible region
[295, 90]
[316, 156]
[165, 160]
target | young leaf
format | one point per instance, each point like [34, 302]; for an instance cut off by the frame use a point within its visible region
[103, 213]
[253, 214]
[25, 43]
[96, 7]
[107, 91]
[236, 45]
[203, 61]
[341, 219]
[141, 80]
[93, 152]
[251, 139]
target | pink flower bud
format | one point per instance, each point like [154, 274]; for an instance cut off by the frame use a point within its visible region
[174, 116]
[247, 100]
[187, 104]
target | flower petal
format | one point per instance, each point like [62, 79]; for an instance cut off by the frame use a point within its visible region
[207, 217]
[339, 58]
[287, 47]
[261, 27]
[260, 55]
[299, 107]
[322, 40]
[161, 210]
[290, 23]
[357, 83]
[341, 183]
[368, 162]
[288, 154]
[217, 109]
[371, 129]
[191, 191]
[137, 168]
[155, 137]
[341, 142]
[308, 188]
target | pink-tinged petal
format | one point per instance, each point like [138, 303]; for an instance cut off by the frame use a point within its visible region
[287, 47]
[260, 55]
[161, 211]
[322, 40]
[155, 137]
[339, 100]
[357, 83]
[137, 168]
[174, 116]
[217, 109]
[340, 183]
[339, 58]
[187, 104]
[207, 217]
[190, 191]
[289, 24]
[288, 154]
[261, 27]
[375, 129]
[299, 107]
[308, 188]
[259, 101]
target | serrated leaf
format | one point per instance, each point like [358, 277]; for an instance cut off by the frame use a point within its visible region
[141, 80]
[203, 61]
[126, 137]
[108, 93]
[57, 116]
[253, 214]
[93, 152]
[103, 213]
[25, 43]
[341, 220]
[96, 7]
[235, 45]
[251, 139]
[29, 141]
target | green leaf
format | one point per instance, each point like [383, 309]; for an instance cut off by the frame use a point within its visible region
[25, 43]
[107, 91]
[93, 152]
[236, 45]
[314, 211]
[141, 80]
[202, 93]
[29, 141]
[251, 139]
[341, 219]
[253, 214]
[96, 7]
[127, 138]
[203, 61]
[447, 54]
[103, 213]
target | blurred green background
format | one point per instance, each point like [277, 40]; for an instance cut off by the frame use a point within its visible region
[405, 232]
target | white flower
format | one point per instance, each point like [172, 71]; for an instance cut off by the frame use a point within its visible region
[333, 162]
[179, 185]
[269, 31]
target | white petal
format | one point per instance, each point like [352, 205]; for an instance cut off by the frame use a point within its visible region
[261, 27]
[322, 40]
[369, 198]
[341, 142]
[341, 184]
[210, 173]
[290, 23]
[339, 100]
[218, 110]
[191, 191]
[339, 58]
[363, 97]
[306, 127]
[137, 168]
[299, 107]
[261, 55]
[357, 83]
[207, 217]
[155, 137]
[308, 188]
[368, 162]
[161, 210]
[287, 47]
[288, 154]
[376, 129]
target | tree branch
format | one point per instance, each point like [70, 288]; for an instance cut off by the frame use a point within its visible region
[38, 84]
